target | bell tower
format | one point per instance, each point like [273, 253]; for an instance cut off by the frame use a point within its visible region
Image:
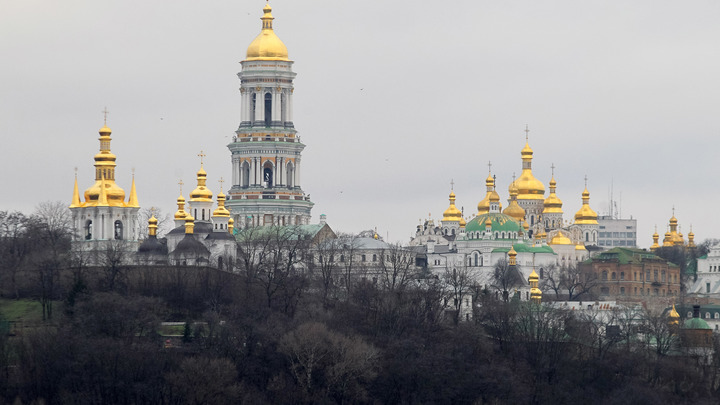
[266, 151]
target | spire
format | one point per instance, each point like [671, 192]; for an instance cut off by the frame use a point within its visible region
[76, 194]
[552, 204]
[133, 200]
[105, 167]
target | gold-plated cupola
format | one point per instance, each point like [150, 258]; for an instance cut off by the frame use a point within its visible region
[267, 45]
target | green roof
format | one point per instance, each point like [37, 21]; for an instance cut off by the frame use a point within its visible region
[523, 247]
[627, 255]
[500, 223]
[696, 323]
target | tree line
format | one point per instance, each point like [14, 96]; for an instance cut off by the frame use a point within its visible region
[293, 323]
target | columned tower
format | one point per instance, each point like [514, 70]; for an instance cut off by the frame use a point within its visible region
[266, 153]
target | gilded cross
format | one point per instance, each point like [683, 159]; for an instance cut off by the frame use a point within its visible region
[527, 131]
[202, 155]
[105, 113]
[180, 183]
[489, 167]
[552, 169]
[452, 184]
[221, 181]
[586, 181]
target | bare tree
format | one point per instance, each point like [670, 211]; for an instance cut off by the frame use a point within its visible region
[506, 277]
[326, 254]
[577, 282]
[165, 222]
[347, 246]
[396, 267]
[15, 248]
[458, 281]
[657, 330]
[51, 228]
[114, 260]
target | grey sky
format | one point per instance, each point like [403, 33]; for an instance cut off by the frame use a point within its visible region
[393, 100]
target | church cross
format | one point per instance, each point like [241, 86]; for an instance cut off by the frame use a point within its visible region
[586, 181]
[105, 113]
[180, 183]
[489, 167]
[527, 131]
[202, 155]
[221, 181]
[552, 169]
[152, 211]
[452, 184]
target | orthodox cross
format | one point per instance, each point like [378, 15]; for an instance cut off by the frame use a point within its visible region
[452, 184]
[76, 172]
[586, 181]
[221, 181]
[527, 131]
[152, 211]
[489, 167]
[105, 113]
[552, 169]
[202, 155]
[180, 183]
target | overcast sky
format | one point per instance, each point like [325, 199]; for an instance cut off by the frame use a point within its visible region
[392, 98]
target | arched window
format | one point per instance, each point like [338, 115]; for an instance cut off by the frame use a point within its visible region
[289, 171]
[476, 259]
[268, 109]
[613, 275]
[88, 230]
[245, 175]
[604, 275]
[220, 263]
[622, 275]
[268, 175]
[707, 315]
[118, 230]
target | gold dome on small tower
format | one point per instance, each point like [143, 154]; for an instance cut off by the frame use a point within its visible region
[586, 215]
[452, 213]
[267, 45]
[553, 204]
[529, 188]
[201, 192]
[513, 209]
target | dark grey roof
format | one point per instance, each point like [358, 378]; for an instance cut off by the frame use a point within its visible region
[190, 246]
[225, 235]
[152, 245]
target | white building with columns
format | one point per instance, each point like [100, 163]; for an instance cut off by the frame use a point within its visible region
[266, 153]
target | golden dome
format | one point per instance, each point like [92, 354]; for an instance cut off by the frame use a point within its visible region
[452, 213]
[201, 193]
[533, 276]
[105, 175]
[580, 247]
[267, 45]
[221, 211]
[513, 209]
[152, 225]
[180, 213]
[231, 225]
[488, 222]
[462, 222]
[667, 241]
[512, 256]
[560, 239]
[585, 215]
[529, 188]
[552, 204]
[484, 204]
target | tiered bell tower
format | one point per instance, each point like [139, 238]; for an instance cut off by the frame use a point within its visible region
[266, 153]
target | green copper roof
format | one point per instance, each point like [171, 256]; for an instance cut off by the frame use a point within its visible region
[627, 255]
[522, 247]
[500, 223]
[696, 323]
